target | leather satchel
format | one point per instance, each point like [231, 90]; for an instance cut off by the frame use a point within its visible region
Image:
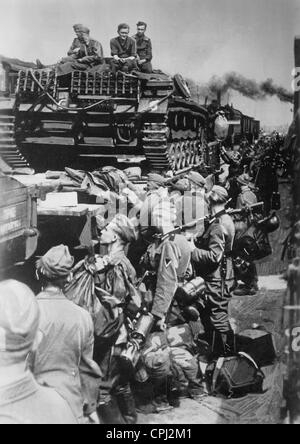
[234, 377]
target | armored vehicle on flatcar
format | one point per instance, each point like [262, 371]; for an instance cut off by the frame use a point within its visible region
[86, 120]
[89, 119]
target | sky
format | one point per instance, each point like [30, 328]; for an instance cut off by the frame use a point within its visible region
[198, 38]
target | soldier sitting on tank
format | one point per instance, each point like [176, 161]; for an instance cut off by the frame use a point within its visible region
[85, 53]
[123, 50]
[144, 49]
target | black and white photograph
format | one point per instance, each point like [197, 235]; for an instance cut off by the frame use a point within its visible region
[149, 214]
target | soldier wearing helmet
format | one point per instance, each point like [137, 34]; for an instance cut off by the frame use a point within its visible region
[212, 261]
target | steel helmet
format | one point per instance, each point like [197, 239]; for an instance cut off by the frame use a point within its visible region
[270, 224]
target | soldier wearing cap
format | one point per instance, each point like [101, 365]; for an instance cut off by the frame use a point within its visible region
[64, 355]
[192, 206]
[213, 263]
[84, 53]
[247, 196]
[144, 48]
[156, 192]
[22, 400]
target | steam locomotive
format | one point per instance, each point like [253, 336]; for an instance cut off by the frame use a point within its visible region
[241, 126]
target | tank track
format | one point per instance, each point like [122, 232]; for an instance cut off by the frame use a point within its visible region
[9, 152]
[163, 153]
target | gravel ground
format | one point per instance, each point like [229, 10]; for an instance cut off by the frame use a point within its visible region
[264, 309]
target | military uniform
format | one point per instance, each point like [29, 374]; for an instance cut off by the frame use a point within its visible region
[190, 207]
[123, 49]
[118, 280]
[171, 260]
[213, 263]
[90, 55]
[250, 279]
[144, 52]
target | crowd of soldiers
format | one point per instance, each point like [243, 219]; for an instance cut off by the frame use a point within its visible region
[127, 53]
[133, 328]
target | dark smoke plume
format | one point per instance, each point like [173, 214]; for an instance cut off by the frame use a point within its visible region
[247, 87]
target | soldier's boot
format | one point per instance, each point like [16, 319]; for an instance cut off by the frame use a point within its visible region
[109, 413]
[224, 344]
[173, 392]
[245, 291]
[229, 343]
[126, 404]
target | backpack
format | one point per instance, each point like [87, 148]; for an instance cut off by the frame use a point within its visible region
[253, 245]
[234, 377]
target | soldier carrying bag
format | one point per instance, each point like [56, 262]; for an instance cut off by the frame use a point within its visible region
[234, 377]
[253, 245]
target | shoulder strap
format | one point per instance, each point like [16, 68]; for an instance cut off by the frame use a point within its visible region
[219, 365]
[245, 355]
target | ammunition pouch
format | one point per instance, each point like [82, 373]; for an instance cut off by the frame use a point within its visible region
[241, 267]
[190, 292]
[188, 296]
[141, 329]
[253, 245]
[270, 224]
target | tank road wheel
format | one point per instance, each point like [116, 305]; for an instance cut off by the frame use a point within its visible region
[198, 155]
[178, 159]
[182, 155]
[189, 154]
[176, 125]
[195, 124]
[172, 155]
[193, 153]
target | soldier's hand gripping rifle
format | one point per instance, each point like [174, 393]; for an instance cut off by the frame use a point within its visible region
[248, 211]
[245, 212]
[182, 174]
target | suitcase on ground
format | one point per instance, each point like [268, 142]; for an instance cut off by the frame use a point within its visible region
[234, 377]
[259, 345]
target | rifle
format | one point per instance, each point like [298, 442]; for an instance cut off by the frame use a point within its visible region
[248, 209]
[210, 219]
[182, 173]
